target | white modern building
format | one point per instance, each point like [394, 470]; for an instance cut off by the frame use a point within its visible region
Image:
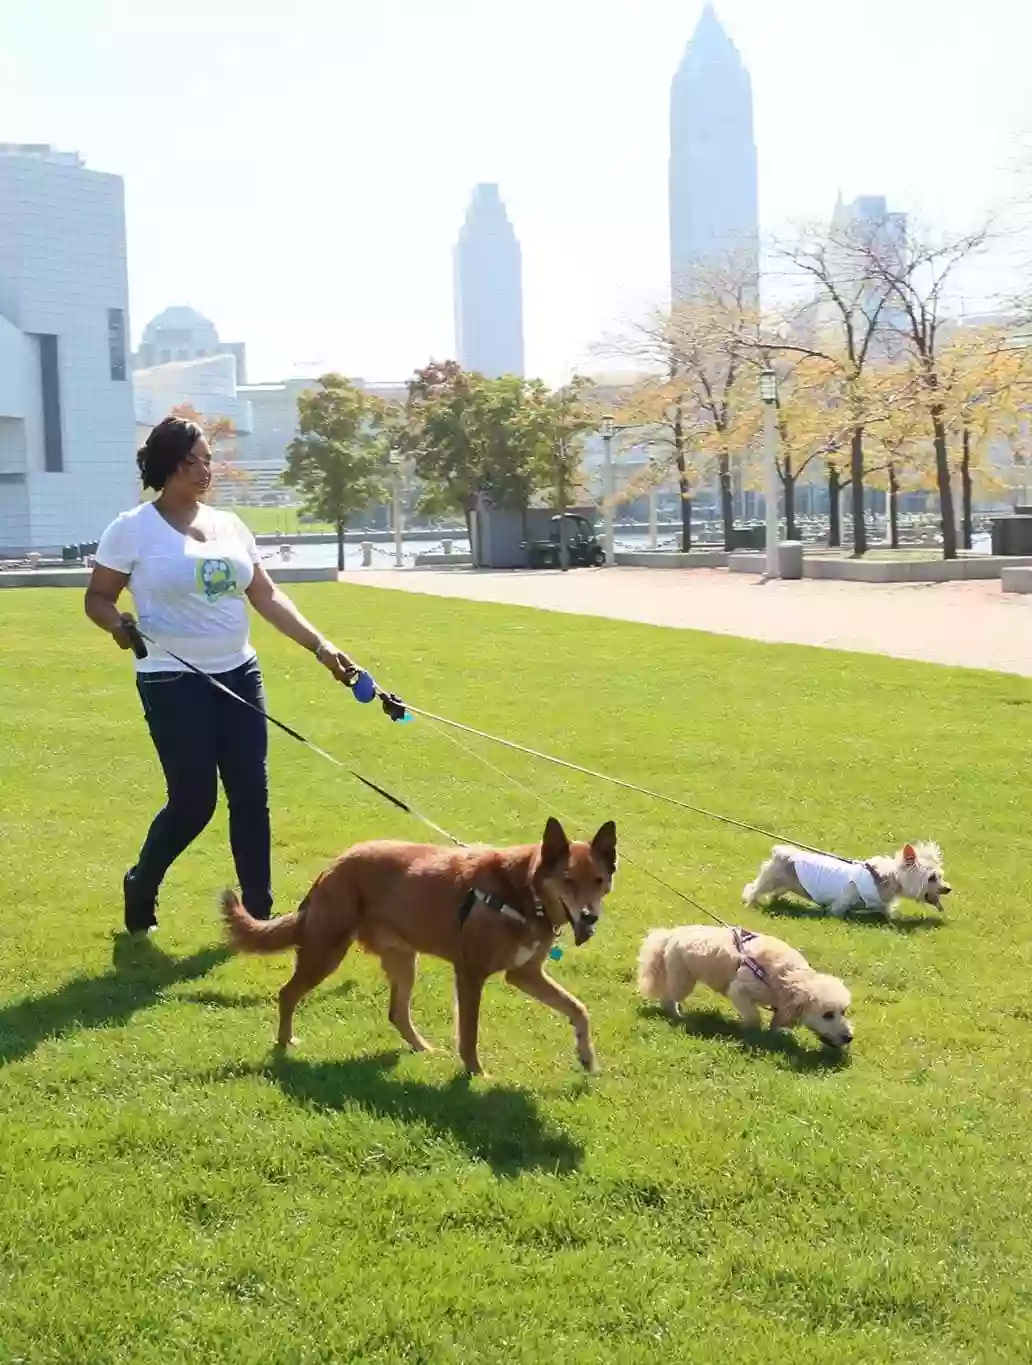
[67, 429]
[208, 386]
[181, 333]
[488, 287]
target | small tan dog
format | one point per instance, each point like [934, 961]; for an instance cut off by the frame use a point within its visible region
[484, 910]
[764, 973]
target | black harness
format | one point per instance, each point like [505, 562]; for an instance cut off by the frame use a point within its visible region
[502, 907]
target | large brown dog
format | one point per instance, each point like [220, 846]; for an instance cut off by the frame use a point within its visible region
[484, 910]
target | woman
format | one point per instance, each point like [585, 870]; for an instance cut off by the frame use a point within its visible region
[189, 568]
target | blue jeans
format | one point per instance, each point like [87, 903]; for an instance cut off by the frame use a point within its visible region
[201, 735]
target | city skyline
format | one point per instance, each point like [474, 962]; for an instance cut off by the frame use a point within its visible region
[488, 288]
[239, 216]
[714, 210]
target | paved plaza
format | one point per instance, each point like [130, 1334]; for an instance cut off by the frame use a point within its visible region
[973, 625]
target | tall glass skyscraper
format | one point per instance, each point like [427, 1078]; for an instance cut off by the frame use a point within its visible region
[488, 289]
[713, 197]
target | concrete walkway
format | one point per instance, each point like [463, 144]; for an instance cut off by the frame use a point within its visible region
[973, 625]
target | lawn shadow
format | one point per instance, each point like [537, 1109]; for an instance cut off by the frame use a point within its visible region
[140, 973]
[781, 1044]
[499, 1125]
[899, 924]
[228, 1000]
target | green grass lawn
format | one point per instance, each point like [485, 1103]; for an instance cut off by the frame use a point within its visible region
[272, 520]
[171, 1192]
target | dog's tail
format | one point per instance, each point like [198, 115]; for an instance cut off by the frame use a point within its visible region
[249, 935]
[652, 972]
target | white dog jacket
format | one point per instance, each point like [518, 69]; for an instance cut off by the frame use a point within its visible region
[826, 880]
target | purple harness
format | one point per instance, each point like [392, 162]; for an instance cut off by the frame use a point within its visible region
[743, 937]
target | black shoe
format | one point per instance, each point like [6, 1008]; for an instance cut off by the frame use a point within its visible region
[139, 909]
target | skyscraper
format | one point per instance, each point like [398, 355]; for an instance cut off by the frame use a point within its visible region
[867, 225]
[713, 197]
[488, 289]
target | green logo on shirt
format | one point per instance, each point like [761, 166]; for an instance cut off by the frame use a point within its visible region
[216, 578]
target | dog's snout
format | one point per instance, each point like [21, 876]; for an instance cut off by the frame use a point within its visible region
[945, 889]
[590, 918]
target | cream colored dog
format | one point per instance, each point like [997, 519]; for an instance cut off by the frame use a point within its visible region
[765, 973]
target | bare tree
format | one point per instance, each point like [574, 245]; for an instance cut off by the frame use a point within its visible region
[696, 356]
[917, 274]
[843, 324]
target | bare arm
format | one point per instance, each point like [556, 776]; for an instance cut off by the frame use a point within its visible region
[271, 603]
[102, 594]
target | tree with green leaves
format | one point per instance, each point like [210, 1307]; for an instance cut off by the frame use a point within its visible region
[470, 438]
[338, 460]
[552, 425]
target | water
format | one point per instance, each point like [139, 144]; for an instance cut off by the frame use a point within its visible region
[320, 556]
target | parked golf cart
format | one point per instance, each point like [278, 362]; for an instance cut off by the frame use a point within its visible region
[583, 547]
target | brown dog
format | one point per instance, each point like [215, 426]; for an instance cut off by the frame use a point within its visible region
[484, 910]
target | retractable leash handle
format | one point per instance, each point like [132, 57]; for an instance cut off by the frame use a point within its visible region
[132, 630]
[366, 689]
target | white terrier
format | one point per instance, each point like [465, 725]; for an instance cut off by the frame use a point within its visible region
[914, 874]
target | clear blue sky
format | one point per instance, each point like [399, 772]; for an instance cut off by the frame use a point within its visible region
[299, 171]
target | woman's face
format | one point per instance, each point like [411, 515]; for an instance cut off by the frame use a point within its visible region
[193, 477]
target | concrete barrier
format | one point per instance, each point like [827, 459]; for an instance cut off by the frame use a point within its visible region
[436, 561]
[301, 573]
[1016, 579]
[671, 559]
[909, 570]
[745, 561]
[78, 578]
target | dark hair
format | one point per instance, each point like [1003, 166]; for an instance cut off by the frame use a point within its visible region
[165, 449]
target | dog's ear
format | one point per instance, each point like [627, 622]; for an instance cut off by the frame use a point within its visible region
[909, 855]
[790, 1000]
[555, 847]
[603, 846]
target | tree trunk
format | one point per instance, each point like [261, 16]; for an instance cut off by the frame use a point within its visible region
[965, 485]
[340, 547]
[942, 476]
[856, 481]
[893, 508]
[788, 480]
[727, 503]
[834, 509]
[682, 481]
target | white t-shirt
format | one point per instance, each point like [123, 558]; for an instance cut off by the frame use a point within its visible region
[189, 593]
[825, 880]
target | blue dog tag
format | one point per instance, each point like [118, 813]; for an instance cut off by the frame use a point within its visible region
[556, 954]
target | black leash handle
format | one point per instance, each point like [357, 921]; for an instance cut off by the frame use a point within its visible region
[132, 631]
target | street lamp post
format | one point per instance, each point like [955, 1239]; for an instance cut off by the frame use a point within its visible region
[398, 518]
[609, 493]
[769, 394]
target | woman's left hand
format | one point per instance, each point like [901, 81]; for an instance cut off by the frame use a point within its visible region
[343, 668]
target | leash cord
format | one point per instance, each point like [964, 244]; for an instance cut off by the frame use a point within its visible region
[409, 809]
[619, 782]
[529, 791]
[741, 937]
[395, 801]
